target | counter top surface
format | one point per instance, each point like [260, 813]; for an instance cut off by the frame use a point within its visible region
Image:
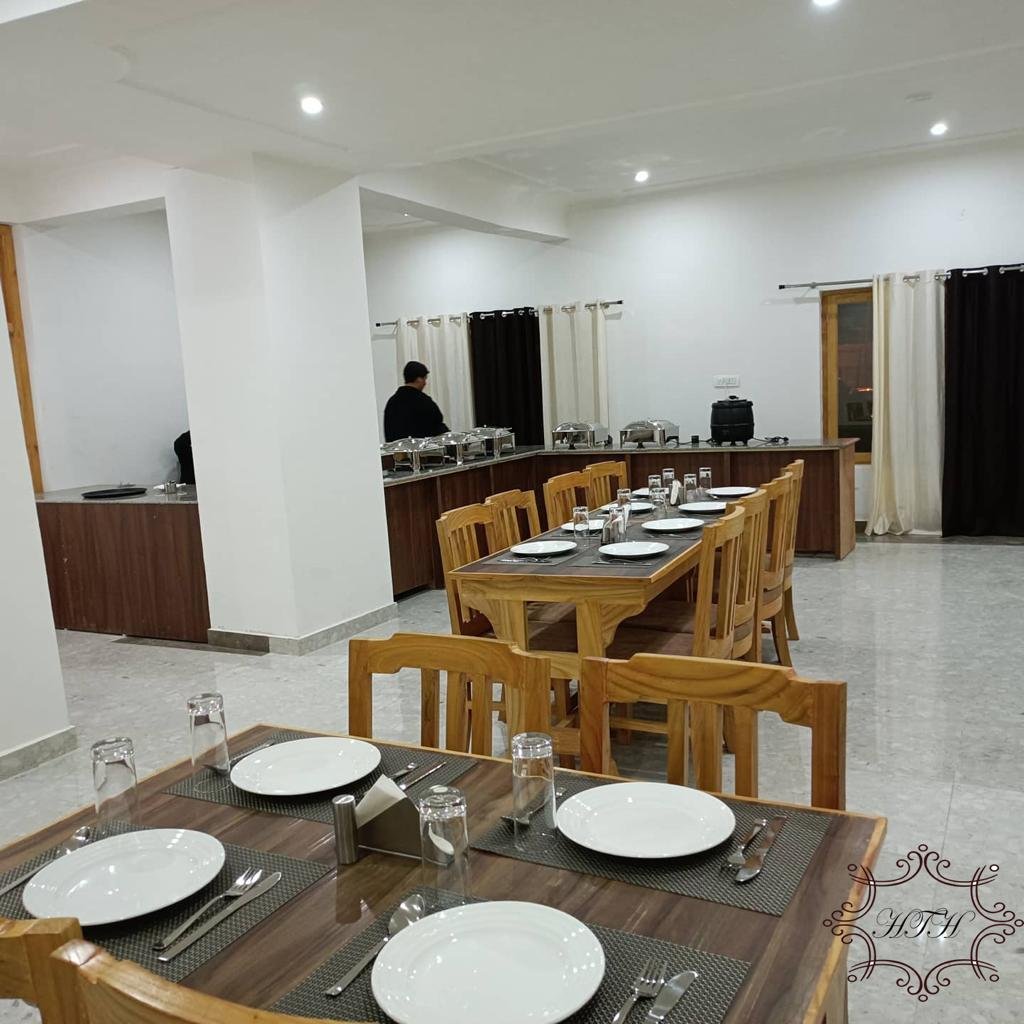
[73, 495]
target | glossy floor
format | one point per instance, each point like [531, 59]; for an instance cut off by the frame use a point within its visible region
[928, 636]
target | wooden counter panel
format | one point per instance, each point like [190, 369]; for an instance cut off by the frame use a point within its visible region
[412, 534]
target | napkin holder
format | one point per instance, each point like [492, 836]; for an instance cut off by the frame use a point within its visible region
[395, 830]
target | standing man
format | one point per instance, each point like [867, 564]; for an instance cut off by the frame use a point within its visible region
[411, 413]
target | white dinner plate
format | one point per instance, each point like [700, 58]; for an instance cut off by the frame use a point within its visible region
[642, 492]
[731, 492]
[636, 507]
[703, 507]
[595, 526]
[673, 525]
[544, 548]
[633, 549]
[505, 962]
[305, 766]
[125, 876]
[647, 820]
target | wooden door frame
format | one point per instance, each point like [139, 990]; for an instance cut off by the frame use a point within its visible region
[19, 353]
[830, 302]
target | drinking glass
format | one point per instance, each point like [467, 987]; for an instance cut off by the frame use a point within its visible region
[208, 732]
[444, 841]
[533, 786]
[581, 525]
[690, 487]
[704, 482]
[654, 480]
[614, 529]
[659, 499]
[668, 477]
[114, 780]
[623, 496]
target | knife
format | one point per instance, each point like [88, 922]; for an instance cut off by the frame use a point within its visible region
[411, 780]
[755, 859]
[256, 891]
[671, 992]
[22, 879]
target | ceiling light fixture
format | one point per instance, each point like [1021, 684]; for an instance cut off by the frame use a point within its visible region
[939, 128]
[311, 105]
[825, 3]
[641, 176]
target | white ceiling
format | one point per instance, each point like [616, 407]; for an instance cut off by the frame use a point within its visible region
[571, 95]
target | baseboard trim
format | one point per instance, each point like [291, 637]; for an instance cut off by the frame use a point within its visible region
[268, 643]
[38, 752]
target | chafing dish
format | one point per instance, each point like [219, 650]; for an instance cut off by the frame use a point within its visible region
[655, 432]
[496, 440]
[580, 435]
[459, 446]
[414, 453]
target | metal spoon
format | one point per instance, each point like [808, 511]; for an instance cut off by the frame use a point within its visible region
[79, 838]
[402, 772]
[409, 911]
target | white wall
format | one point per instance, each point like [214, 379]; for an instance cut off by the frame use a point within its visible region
[104, 354]
[699, 271]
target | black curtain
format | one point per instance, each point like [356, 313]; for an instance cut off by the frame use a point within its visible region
[504, 355]
[983, 463]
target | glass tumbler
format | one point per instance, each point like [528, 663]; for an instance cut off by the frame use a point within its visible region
[208, 732]
[581, 525]
[690, 487]
[704, 482]
[668, 478]
[114, 780]
[623, 496]
[659, 499]
[444, 841]
[533, 786]
[654, 480]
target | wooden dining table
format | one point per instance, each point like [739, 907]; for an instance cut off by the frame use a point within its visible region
[797, 968]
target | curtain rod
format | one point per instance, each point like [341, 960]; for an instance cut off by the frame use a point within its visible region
[604, 304]
[456, 317]
[825, 284]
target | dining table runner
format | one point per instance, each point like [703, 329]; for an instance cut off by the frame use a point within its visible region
[699, 875]
[133, 940]
[208, 785]
[707, 1001]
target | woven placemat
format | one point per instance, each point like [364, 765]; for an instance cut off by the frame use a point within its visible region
[218, 789]
[133, 940]
[700, 876]
[706, 1002]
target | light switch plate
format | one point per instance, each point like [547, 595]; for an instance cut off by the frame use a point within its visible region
[727, 380]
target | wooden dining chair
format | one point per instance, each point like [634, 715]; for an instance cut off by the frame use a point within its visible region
[773, 575]
[562, 494]
[96, 988]
[526, 679]
[695, 691]
[26, 971]
[458, 537]
[796, 469]
[606, 478]
[508, 509]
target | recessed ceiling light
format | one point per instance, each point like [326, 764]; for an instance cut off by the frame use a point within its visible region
[405, 215]
[825, 3]
[939, 128]
[641, 176]
[311, 104]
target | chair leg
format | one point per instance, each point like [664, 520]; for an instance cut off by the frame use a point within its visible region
[779, 637]
[792, 632]
[501, 705]
[560, 688]
[456, 713]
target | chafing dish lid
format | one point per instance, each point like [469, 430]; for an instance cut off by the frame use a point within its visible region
[478, 432]
[452, 437]
[576, 428]
[407, 445]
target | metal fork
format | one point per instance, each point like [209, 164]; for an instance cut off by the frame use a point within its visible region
[648, 982]
[739, 855]
[243, 883]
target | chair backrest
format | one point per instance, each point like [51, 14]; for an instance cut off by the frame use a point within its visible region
[605, 479]
[506, 528]
[694, 690]
[26, 971]
[780, 496]
[527, 680]
[562, 495]
[796, 470]
[458, 536]
[714, 621]
[751, 560]
[98, 989]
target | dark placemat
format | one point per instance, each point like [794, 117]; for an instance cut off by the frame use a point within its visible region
[699, 876]
[133, 940]
[218, 789]
[706, 1002]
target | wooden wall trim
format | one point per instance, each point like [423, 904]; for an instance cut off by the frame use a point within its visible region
[19, 354]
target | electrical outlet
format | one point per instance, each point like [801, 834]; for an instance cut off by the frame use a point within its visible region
[727, 380]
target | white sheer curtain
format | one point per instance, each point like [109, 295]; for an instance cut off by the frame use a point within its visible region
[442, 344]
[574, 350]
[906, 456]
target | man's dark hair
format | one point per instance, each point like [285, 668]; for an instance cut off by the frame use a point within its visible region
[413, 371]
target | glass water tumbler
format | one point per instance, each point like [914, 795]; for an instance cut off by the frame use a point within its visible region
[704, 482]
[690, 487]
[581, 525]
[623, 496]
[668, 478]
[654, 480]
[444, 841]
[208, 732]
[114, 780]
[659, 499]
[533, 786]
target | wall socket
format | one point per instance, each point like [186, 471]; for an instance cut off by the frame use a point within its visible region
[727, 380]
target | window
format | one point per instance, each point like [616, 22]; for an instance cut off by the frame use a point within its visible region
[847, 328]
